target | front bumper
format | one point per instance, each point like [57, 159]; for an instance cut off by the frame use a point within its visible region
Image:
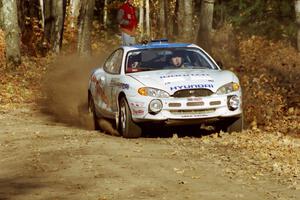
[192, 109]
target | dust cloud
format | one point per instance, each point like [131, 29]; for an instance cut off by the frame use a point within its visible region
[65, 88]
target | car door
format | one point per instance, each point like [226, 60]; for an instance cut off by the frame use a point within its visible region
[112, 67]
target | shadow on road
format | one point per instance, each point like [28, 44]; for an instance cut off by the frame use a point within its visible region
[11, 187]
[182, 131]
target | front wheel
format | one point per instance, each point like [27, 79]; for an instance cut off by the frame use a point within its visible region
[237, 125]
[232, 125]
[128, 128]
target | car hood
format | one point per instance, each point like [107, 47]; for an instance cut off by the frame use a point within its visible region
[172, 81]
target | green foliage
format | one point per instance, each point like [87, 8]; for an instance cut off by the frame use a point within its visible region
[274, 19]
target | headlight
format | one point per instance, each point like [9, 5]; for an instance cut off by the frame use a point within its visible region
[228, 88]
[233, 102]
[155, 106]
[152, 92]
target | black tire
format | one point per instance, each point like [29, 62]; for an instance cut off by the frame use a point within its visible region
[232, 125]
[127, 127]
[237, 125]
[92, 113]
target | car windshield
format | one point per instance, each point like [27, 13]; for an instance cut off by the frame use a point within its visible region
[167, 59]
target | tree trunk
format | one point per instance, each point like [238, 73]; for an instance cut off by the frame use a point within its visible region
[205, 29]
[28, 13]
[85, 27]
[105, 14]
[180, 18]
[141, 18]
[169, 18]
[12, 33]
[297, 9]
[54, 12]
[1, 15]
[172, 19]
[188, 20]
[59, 13]
[42, 12]
[162, 18]
[147, 18]
[75, 6]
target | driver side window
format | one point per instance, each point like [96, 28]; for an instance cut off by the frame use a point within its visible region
[114, 62]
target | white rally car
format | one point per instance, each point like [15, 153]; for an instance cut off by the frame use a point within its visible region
[140, 87]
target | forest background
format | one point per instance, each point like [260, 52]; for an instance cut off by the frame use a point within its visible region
[257, 39]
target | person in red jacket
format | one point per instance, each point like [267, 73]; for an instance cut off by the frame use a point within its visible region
[127, 18]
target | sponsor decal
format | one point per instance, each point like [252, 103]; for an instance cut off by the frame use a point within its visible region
[138, 112]
[101, 94]
[182, 77]
[203, 76]
[137, 104]
[117, 83]
[192, 86]
[193, 116]
[124, 86]
[200, 78]
[194, 99]
[173, 79]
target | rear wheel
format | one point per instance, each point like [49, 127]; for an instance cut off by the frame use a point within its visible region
[128, 128]
[92, 113]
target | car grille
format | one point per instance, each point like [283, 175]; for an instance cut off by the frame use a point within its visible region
[193, 93]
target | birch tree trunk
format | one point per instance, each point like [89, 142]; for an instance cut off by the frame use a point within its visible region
[85, 27]
[59, 25]
[141, 18]
[105, 14]
[42, 12]
[205, 29]
[75, 6]
[12, 33]
[188, 20]
[297, 9]
[148, 32]
[54, 12]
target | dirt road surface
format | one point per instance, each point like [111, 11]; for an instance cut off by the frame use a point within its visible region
[44, 159]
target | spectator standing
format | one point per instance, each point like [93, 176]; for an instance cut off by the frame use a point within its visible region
[127, 18]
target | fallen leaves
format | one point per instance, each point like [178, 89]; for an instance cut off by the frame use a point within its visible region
[22, 86]
[269, 74]
[251, 154]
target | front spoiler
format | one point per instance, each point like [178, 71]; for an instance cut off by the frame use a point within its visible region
[178, 122]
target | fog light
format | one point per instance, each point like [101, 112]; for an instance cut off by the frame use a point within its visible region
[155, 106]
[233, 102]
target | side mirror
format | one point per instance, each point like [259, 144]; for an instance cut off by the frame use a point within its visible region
[220, 64]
